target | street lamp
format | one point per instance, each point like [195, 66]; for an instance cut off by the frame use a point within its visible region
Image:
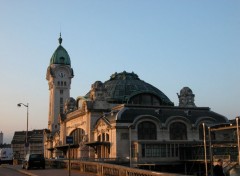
[205, 148]
[210, 149]
[19, 105]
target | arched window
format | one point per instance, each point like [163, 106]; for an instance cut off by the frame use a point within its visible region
[145, 99]
[77, 135]
[147, 131]
[178, 131]
[62, 59]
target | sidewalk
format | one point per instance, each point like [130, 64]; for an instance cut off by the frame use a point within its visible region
[47, 171]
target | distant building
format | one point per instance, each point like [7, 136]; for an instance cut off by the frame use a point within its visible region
[1, 137]
[35, 142]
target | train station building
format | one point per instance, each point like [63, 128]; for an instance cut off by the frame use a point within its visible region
[124, 119]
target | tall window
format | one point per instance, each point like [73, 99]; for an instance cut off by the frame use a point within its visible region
[178, 131]
[61, 109]
[62, 59]
[77, 135]
[145, 99]
[61, 105]
[61, 100]
[147, 131]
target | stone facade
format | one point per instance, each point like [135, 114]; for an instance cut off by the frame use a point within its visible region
[59, 75]
[125, 118]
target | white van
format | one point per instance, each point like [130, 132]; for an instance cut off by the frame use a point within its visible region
[6, 156]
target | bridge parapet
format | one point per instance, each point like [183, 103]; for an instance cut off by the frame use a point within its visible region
[104, 169]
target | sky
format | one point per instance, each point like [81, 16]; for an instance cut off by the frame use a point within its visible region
[170, 44]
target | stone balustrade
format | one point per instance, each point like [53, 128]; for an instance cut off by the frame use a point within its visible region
[104, 169]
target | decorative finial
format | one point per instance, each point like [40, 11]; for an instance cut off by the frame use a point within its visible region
[60, 39]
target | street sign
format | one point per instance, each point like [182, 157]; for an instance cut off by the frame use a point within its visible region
[69, 140]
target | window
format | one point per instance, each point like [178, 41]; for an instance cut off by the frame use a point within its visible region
[103, 137]
[147, 131]
[61, 100]
[145, 99]
[61, 92]
[107, 137]
[62, 59]
[77, 135]
[160, 150]
[178, 131]
[61, 109]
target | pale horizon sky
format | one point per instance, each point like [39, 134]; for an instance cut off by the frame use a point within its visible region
[167, 43]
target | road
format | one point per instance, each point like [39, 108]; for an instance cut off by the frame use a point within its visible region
[10, 172]
[16, 170]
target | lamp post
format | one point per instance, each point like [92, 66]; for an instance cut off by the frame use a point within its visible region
[26, 105]
[205, 149]
[210, 150]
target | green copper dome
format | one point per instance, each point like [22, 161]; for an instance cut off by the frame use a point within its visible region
[60, 55]
[123, 87]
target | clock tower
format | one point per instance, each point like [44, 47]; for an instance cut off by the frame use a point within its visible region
[59, 75]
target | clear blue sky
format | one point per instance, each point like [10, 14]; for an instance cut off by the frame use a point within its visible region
[168, 43]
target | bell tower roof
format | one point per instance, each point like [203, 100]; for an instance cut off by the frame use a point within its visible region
[60, 55]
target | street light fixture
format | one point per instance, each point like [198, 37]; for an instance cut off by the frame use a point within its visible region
[26, 105]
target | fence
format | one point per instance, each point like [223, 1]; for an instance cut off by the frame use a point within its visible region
[103, 169]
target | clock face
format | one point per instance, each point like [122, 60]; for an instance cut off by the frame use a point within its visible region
[61, 74]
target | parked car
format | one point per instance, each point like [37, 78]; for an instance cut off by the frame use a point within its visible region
[6, 156]
[33, 160]
[59, 157]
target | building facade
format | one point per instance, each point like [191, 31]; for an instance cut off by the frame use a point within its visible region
[1, 137]
[35, 143]
[123, 118]
[59, 75]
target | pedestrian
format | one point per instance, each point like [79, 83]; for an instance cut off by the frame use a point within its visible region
[218, 169]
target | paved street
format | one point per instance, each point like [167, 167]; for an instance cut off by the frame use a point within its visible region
[10, 172]
[38, 172]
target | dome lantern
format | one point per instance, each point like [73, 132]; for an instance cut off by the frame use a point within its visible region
[60, 55]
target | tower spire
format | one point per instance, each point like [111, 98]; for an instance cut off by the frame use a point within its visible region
[60, 39]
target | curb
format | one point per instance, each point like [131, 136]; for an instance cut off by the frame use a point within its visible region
[26, 173]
